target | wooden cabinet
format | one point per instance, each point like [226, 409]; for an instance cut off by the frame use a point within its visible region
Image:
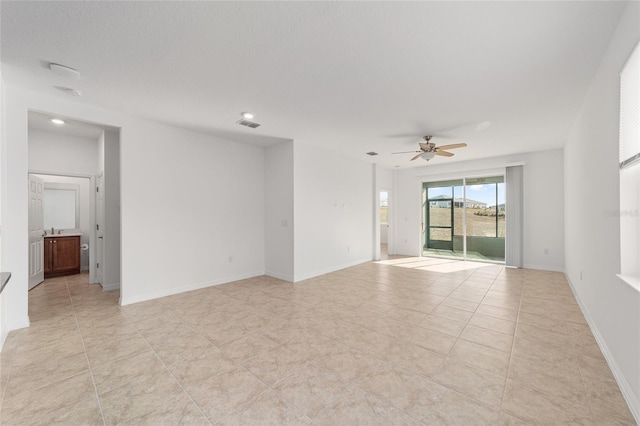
[61, 256]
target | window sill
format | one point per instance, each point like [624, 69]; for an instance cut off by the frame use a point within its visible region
[633, 281]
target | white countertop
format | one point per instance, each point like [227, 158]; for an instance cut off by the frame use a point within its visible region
[64, 234]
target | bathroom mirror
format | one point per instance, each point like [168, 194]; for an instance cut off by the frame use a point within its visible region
[61, 206]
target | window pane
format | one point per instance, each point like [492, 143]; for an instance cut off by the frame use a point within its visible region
[458, 203]
[442, 192]
[439, 213]
[501, 210]
[384, 207]
[441, 234]
[481, 210]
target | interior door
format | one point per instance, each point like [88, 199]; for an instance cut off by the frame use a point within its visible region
[100, 228]
[36, 231]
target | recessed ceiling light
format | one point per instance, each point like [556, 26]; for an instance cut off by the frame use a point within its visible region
[247, 115]
[57, 121]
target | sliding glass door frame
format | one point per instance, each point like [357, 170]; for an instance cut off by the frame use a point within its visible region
[453, 182]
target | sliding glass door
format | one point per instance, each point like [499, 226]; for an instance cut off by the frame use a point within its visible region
[465, 218]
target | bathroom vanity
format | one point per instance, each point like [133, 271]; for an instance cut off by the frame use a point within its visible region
[61, 255]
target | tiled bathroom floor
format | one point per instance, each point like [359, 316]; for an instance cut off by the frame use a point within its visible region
[372, 344]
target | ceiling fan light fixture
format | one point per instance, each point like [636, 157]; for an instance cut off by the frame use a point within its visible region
[427, 155]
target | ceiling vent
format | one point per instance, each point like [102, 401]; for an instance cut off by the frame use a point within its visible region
[248, 123]
[372, 153]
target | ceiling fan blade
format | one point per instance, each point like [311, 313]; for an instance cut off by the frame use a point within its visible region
[405, 152]
[417, 156]
[452, 146]
[445, 153]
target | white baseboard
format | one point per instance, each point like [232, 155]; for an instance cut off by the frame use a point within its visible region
[298, 278]
[544, 268]
[183, 289]
[3, 336]
[110, 287]
[627, 392]
[15, 325]
[279, 276]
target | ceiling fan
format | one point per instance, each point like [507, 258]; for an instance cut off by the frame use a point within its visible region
[428, 149]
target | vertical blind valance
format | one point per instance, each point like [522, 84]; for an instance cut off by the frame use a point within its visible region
[630, 110]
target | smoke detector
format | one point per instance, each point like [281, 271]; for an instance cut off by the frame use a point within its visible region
[69, 90]
[64, 71]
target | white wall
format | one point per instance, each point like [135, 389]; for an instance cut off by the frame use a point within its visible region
[543, 203]
[86, 223]
[192, 210]
[333, 200]
[592, 236]
[62, 154]
[278, 220]
[112, 210]
[189, 202]
[4, 330]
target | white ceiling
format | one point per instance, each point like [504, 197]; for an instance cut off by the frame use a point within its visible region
[350, 76]
[82, 129]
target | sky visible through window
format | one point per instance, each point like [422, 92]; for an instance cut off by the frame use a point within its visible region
[485, 193]
[384, 199]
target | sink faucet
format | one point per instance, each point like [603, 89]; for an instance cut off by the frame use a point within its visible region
[52, 231]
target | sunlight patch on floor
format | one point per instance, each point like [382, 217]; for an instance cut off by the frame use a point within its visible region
[434, 264]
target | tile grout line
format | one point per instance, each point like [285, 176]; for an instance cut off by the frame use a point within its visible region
[86, 355]
[513, 344]
[165, 365]
[459, 338]
[4, 394]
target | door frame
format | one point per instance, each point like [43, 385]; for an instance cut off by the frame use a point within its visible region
[439, 244]
[34, 238]
[92, 214]
[98, 233]
[472, 174]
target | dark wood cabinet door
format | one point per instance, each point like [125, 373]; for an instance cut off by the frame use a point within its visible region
[66, 254]
[48, 256]
[64, 258]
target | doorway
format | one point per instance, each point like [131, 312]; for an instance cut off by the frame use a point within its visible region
[79, 151]
[60, 206]
[465, 219]
[383, 214]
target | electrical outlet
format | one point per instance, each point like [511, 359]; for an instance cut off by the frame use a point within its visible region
[348, 249]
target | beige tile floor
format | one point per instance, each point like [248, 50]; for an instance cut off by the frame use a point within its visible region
[372, 344]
